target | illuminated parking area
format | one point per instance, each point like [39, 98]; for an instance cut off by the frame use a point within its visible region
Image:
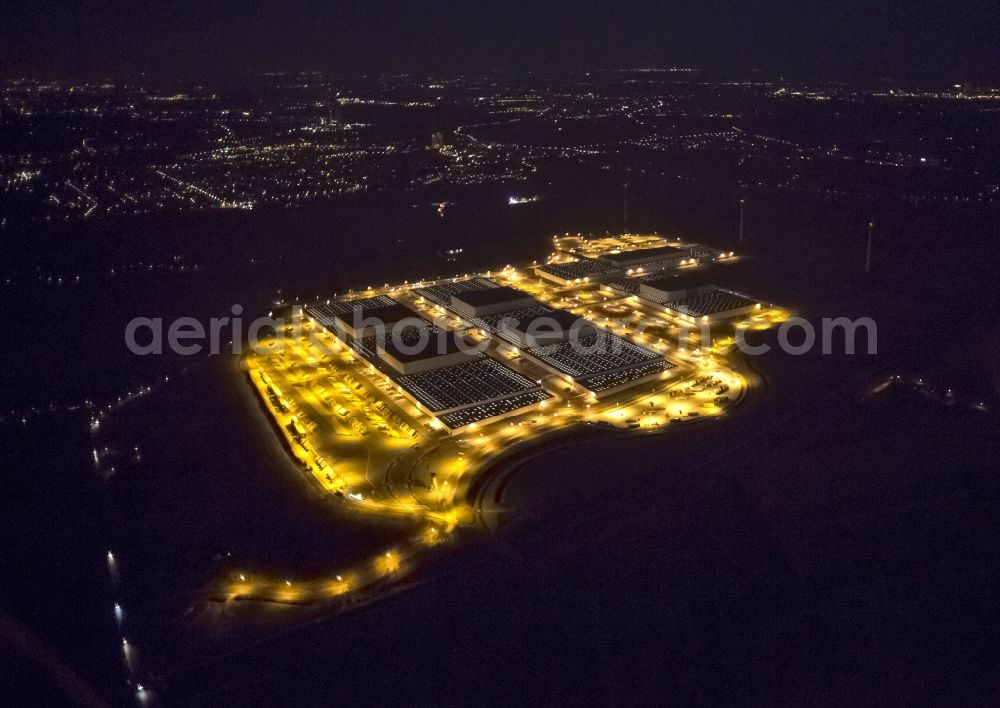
[462, 385]
[599, 383]
[492, 409]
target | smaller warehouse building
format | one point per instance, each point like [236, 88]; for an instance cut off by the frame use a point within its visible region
[371, 316]
[626, 259]
[550, 327]
[717, 304]
[691, 296]
[667, 289]
[577, 271]
[490, 301]
[418, 352]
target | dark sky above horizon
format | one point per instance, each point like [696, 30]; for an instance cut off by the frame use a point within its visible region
[847, 38]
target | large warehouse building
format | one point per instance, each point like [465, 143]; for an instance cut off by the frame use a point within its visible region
[489, 301]
[694, 297]
[552, 327]
[371, 316]
[643, 255]
[584, 269]
[434, 368]
[572, 348]
[411, 351]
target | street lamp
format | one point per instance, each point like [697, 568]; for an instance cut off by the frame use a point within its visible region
[625, 205]
[868, 252]
[742, 202]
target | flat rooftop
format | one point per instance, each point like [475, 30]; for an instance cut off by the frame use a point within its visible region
[642, 254]
[577, 269]
[441, 293]
[410, 345]
[682, 281]
[388, 313]
[718, 300]
[491, 296]
[348, 312]
[729, 275]
[552, 320]
[631, 285]
[501, 323]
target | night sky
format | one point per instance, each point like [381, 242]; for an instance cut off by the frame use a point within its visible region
[953, 41]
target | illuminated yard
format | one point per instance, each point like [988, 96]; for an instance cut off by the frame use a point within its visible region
[387, 440]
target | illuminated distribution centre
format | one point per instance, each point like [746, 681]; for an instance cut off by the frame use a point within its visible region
[394, 398]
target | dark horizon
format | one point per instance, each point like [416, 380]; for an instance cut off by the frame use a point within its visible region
[865, 40]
